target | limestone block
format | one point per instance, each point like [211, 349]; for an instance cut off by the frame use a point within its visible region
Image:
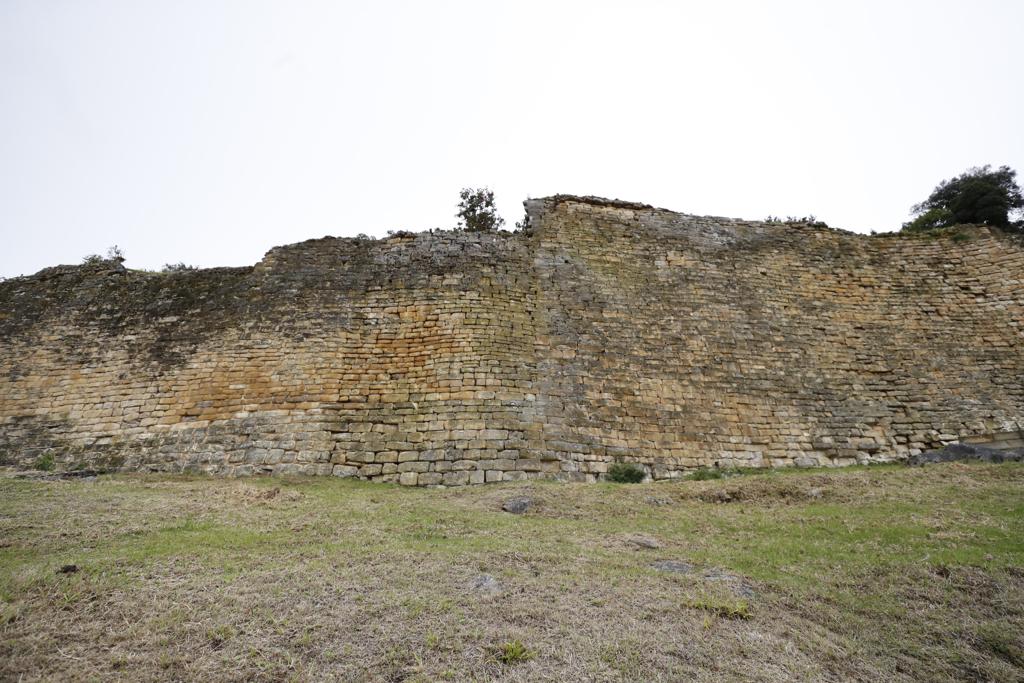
[455, 478]
[429, 478]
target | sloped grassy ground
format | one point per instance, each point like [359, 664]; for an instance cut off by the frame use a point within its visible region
[886, 573]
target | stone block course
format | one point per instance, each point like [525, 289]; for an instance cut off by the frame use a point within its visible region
[607, 331]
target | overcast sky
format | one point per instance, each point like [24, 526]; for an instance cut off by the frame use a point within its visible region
[208, 132]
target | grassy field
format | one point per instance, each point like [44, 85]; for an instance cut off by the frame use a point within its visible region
[880, 574]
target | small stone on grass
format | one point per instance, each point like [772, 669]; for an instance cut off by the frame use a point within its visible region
[673, 566]
[517, 506]
[735, 583]
[643, 541]
[485, 583]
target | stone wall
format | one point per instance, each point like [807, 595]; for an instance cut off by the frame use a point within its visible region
[606, 331]
[684, 341]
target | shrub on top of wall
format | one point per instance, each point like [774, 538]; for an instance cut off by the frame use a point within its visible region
[626, 473]
[177, 268]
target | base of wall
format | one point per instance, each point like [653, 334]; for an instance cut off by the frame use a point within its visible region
[998, 440]
[440, 473]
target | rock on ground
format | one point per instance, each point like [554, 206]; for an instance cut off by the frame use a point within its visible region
[517, 506]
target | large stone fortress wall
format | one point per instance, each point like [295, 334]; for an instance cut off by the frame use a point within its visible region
[606, 331]
[691, 341]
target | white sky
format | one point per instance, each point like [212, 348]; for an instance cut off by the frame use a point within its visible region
[207, 132]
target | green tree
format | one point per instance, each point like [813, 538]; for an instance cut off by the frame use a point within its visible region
[476, 210]
[979, 195]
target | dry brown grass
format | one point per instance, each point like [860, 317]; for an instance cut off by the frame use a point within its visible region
[883, 574]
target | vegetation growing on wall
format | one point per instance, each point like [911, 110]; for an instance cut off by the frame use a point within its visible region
[477, 212]
[177, 268]
[626, 473]
[114, 253]
[979, 196]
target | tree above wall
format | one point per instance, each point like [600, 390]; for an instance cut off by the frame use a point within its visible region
[477, 211]
[979, 195]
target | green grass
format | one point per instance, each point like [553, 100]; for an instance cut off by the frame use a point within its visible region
[722, 607]
[916, 571]
[513, 652]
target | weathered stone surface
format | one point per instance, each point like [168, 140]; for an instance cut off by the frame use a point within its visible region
[737, 584]
[345, 471]
[607, 331]
[485, 583]
[643, 541]
[517, 505]
[674, 566]
[964, 452]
